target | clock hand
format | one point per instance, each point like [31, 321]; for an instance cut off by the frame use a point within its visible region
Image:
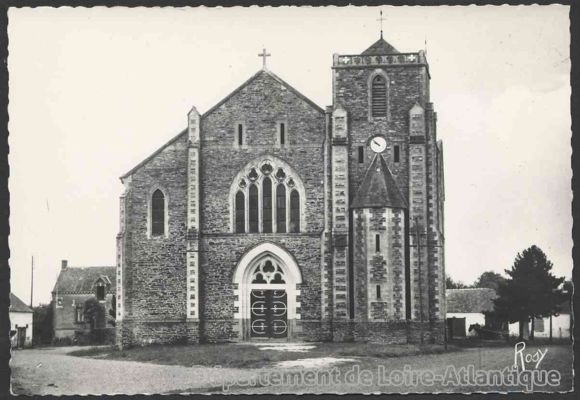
[375, 142]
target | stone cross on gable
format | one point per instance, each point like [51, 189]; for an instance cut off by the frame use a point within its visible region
[263, 54]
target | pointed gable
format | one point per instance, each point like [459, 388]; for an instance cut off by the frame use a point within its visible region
[381, 46]
[263, 73]
[378, 188]
[17, 305]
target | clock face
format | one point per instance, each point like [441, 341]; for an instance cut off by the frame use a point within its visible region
[378, 144]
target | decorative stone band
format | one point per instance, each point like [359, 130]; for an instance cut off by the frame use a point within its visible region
[372, 60]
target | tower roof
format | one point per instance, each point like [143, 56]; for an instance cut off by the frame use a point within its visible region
[378, 188]
[381, 46]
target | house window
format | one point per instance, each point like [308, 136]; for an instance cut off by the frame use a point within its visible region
[100, 291]
[361, 154]
[59, 301]
[539, 325]
[240, 212]
[377, 243]
[378, 291]
[158, 213]
[240, 135]
[294, 211]
[79, 314]
[379, 96]
[267, 198]
[397, 154]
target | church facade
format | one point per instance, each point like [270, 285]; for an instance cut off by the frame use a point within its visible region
[271, 218]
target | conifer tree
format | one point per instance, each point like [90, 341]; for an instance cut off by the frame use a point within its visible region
[531, 290]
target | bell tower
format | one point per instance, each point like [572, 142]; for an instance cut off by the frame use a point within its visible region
[395, 243]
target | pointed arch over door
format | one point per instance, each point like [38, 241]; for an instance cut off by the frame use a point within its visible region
[266, 280]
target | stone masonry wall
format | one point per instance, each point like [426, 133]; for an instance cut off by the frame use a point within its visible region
[260, 106]
[406, 87]
[155, 269]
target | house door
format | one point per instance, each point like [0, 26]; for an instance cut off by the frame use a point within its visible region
[21, 336]
[456, 327]
[269, 314]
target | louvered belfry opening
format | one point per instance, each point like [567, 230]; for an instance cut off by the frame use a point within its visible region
[379, 97]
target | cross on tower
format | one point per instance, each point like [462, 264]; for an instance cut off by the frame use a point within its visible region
[381, 19]
[263, 54]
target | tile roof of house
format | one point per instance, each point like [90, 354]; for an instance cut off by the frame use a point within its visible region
[82, 279]
[378, 188]
[381, 46]
[17, 305]
[470, 300]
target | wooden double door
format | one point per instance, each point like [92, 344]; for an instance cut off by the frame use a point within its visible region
[269, 313]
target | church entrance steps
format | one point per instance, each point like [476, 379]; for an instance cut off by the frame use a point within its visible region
[283, 346]
[313, 362]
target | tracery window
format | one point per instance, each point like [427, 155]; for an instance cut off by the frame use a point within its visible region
[267, 197]
[267, 272]
[240, 212]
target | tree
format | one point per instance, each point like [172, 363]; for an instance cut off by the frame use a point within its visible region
[112, 311]
[94, 313]
[531, 290]
[489, 279]
[451, 284]
[42, 324]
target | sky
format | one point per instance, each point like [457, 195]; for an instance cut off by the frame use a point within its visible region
[93, 91]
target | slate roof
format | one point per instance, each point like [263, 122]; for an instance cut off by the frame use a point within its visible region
[17, 305]
[470, 300]
[239, 88]
[381, 46]
[82, 279]
[378, 188]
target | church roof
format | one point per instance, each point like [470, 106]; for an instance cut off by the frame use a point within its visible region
[17, 305]
[381, 46]
[82, 279]
[378, 188]
[469, 300]
[260, 73]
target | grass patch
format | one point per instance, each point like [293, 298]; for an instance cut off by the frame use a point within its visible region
[249, 356]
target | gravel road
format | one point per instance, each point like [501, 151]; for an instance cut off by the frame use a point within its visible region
[52, 371]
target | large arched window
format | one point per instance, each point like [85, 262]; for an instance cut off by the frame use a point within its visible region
[379, 96]
[294, 211]
[240, 212]
[158, 213]
[267, 196]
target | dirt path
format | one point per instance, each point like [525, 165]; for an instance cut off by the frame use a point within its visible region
[52, 371]
[349, 377]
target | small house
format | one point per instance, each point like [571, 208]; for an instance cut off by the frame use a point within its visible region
[466, 308]
[20, 323]
[76, 285]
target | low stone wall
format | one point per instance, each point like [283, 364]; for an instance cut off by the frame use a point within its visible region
[139, 333]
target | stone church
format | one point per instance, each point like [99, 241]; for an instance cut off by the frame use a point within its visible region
[271, 218]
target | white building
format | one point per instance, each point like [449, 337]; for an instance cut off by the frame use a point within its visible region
[561, 325]
[466, 307]
[20, 323]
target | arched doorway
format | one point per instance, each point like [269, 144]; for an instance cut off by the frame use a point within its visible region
[267, 277]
